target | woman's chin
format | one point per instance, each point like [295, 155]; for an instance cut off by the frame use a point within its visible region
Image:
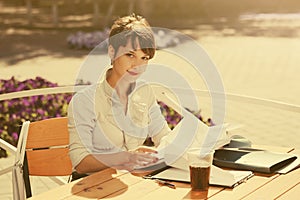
[131, 78]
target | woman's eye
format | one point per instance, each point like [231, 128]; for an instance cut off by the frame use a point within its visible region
[129, 55]
[146, 58]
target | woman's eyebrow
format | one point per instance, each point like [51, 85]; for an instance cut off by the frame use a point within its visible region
[131, 51]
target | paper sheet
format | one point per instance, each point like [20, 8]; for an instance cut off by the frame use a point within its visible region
[191, 133]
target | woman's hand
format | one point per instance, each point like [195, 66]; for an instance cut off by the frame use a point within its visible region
[145, 149]
[141, 156]
[136, 158]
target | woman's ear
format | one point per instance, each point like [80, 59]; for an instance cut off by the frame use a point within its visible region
[111, 52]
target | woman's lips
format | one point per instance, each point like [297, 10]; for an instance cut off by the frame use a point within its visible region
[132, 73]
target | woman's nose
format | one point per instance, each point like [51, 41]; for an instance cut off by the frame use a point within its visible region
[138, 62]
[139, 67]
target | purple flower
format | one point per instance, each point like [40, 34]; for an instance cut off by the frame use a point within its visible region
[26, 102]
[40, 111]
[15, 136]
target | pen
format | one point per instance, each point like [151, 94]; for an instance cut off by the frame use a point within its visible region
[166, 183]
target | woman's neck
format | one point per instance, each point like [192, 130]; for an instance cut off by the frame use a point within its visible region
[123, 88]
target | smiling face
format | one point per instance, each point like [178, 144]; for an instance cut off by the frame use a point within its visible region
[128, 63]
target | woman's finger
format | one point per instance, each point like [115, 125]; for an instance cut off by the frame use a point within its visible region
[146, 149]
[142, 158]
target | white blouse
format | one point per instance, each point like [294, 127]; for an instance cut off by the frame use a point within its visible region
[98, 124]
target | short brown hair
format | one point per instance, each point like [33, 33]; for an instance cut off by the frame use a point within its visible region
[132, 27]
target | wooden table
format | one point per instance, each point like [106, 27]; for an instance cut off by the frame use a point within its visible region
[109, 184]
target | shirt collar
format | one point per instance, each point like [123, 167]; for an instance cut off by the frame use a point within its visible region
[108, 90]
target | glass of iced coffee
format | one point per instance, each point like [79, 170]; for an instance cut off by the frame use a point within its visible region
[200, 165]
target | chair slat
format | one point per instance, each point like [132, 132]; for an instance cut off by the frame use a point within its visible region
[49, 162]
[47, 133]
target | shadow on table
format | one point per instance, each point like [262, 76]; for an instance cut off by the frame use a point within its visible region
[196, 195]
[99, 185]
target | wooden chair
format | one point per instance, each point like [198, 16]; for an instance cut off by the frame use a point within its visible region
[42, 150]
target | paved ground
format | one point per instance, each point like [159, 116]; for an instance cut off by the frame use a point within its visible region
[261, 65]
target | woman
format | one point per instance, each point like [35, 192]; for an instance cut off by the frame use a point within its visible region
[109, 121]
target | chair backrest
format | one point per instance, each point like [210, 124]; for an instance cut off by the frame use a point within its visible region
[47, 148]
[42, 150]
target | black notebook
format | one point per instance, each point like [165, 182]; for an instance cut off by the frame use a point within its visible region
[252, 159]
